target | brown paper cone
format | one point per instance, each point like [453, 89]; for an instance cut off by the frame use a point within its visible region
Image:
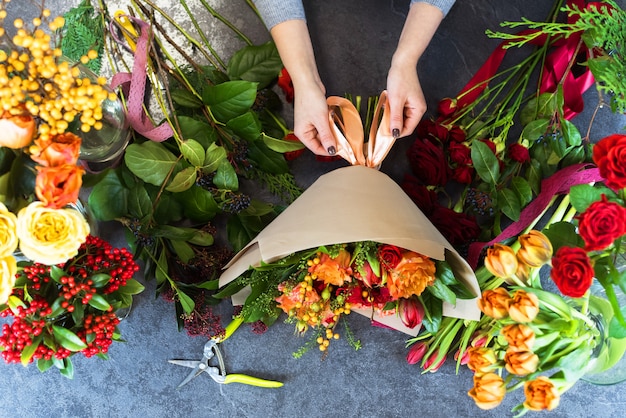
[351, 204]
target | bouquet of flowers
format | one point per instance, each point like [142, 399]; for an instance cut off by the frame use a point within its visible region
[63, 309]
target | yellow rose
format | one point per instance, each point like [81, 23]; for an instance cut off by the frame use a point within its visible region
[50, 236]
[8, 237]
[8, 268]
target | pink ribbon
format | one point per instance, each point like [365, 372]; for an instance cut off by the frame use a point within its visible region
[559, 182]
[134, 86]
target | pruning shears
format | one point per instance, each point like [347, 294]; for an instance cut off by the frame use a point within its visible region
[218, 372]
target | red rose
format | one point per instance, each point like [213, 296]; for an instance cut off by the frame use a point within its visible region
[459, 153]
[491, 145]
[602, 223]
[609, 154]
[458, 228]
[285, 83]
[463, 174]
[422, 196]
[446, 107]
[457, 134]
[292, 155]
[389, 255]
[572, 271]
[432, 130]
[519, 153]
[428, 162]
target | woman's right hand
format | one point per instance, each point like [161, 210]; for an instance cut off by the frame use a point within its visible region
[311, 123]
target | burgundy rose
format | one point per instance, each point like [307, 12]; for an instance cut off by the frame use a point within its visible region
[431, 129]
[463, 174]
[446, 107]
[519, 153]
[572, 271]
[422, 196]
[457, 134]
[458, 228]
[285, 83]
[428, 162]
[602, 223]
[389, 256]
[490, 144]
[459, 153]
[609, 154]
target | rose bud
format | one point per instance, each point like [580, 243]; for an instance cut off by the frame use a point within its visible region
[416, 352]
[501, 261]
[411, 312]
[430, 365]
[536, 249]
[524, 306]
[521, 363]
[488, 391]
[519, 336]
[17, 130]
[541, 394]
[495, 303]
[481, 359]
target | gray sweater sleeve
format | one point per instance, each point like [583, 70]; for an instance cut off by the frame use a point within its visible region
[274, 12]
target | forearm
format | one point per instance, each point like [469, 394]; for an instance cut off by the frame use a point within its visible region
[274, 12]
[443, 5]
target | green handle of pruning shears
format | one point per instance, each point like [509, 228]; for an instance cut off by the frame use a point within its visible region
[231, 328]
[253, 381]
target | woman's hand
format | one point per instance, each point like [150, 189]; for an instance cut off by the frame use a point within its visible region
[406, 100]
[311, 123]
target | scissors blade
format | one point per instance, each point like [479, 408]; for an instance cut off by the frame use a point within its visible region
[185, 363]
[189, 377]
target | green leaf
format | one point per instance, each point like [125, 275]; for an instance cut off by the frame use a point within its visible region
[226, 177]
[68, 339]
[29, 351]
[539, 108]
[185, 301]
[185, 98]
[160, 271]
[99, 302]
[246, 126]
[522, 190]
[108, 199]
[200, 131]
[238, 236]
[485, 162]
[509, 204]
[132, 287]
[174, 232]
[193, 152]
[260, 63]
[183, 180]
[583, 195]
[56, 273]
[200, 206]
[67, 369]
[563, 234]
[571, 133]
[78, 313]
[202, 238]
[43, 364]
[184, 252]
[100, 279]
[230, 99]
[150, 161]
[169, 209]
[534, 177]
[266, 159]
[535, 130]
[214, 156]
[139, 202]
[441, 291]
[280, 145]
[433, 313]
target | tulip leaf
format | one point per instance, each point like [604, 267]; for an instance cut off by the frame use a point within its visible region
[68, 339]
[150, 161]
[485, 162]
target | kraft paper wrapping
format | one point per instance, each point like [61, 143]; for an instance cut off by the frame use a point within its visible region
[351, 204]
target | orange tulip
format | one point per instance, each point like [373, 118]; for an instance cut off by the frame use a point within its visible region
[57, 150]
[536, 249]
[495, 303]
[541, 394]
[481, 359]
[56, 187]
[488, 391]
[524, 306]
[16, 131]
[519, 336]
[501, 261]
[521, 363]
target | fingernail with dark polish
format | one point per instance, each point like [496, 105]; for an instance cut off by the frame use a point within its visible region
[331, 150]
[395, 133]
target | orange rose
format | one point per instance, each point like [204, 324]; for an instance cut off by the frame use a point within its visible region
[495, 303]
[536, 249]
[524, 306]
[501, 261]
[411, 276]
[335, 271]
[56, 187]
[519, 336]
[57, 150]
[481, 359]
[16, 131]
[541, 394]
[488, 391]
[521, 363]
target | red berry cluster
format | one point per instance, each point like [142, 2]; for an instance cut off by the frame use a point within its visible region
[98, 333]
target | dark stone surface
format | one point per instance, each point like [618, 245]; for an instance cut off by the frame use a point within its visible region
[354, 41]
